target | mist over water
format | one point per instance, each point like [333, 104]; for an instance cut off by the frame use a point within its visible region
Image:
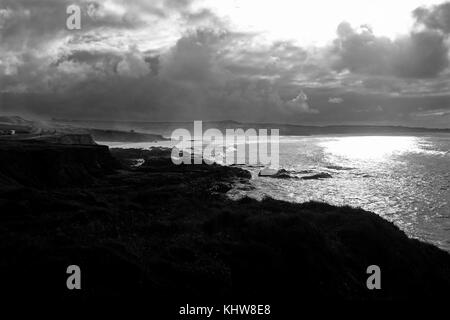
[404, 179]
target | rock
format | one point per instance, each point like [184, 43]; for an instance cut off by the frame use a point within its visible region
[221, 187]
[144, 158]
[322, 175]
[278, 174]
[268, 172]
[284, 174]
[339, 168]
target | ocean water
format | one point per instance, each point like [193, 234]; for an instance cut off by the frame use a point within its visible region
[404, 179]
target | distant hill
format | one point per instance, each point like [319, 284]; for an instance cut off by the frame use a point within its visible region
[140, 131]
[347, 129]
[165, 128]
[15, 120]
[123, 136]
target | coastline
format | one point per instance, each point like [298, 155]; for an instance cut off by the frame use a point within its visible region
[171, 231]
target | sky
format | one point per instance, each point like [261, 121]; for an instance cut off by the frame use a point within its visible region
[302, 62]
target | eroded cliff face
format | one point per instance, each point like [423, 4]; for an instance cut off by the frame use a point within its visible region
[42, 164]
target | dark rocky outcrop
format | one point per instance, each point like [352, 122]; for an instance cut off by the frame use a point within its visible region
[339, 168]
[274, 173]
[321, 175]
[40, 164]
[285, 174]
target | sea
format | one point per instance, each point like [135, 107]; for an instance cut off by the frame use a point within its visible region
[404, 179]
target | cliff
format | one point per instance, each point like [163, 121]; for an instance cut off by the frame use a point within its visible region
[42, 164]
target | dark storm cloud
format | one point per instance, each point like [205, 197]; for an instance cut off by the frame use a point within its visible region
[278, 60]
[436, 17]
[421, 54]
[192, 81]
[201, 66]
[194, 59]
[91, 57]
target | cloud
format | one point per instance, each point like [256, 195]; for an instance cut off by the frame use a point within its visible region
[300, 104]
[421, 54]
[436, 17]
[179, 60]
[190, 81]
[133, 64]
[194, 58]
[335, 100]
[433, 113]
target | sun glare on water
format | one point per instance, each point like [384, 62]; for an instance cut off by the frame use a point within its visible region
[370, 148]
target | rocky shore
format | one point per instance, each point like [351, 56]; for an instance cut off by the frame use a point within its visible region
[170, 232]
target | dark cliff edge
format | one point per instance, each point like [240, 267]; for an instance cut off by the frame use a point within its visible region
[169, 232]
[51, 164]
